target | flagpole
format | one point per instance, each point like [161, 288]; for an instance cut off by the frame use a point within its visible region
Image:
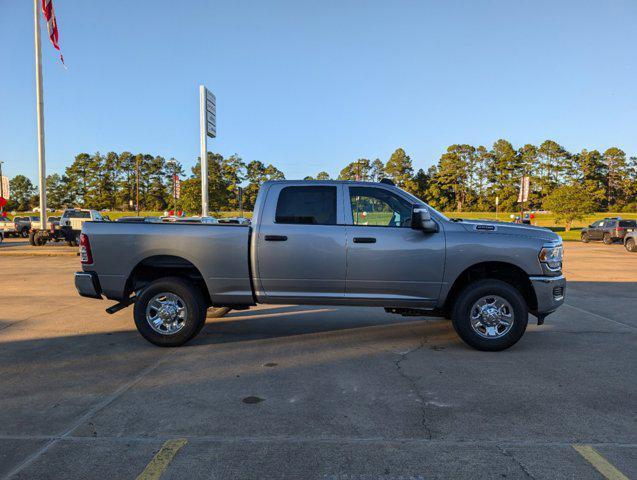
[40, 112]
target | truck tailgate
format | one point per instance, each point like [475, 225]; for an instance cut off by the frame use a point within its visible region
[218, 252]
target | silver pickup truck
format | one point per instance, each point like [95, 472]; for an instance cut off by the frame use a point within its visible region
[328, 243]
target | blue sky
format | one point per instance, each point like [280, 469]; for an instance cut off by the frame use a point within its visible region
[311, 86]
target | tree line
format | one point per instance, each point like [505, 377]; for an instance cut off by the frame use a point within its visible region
[465, 178]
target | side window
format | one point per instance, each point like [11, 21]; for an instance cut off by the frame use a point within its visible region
[379, 207]
[307, 205]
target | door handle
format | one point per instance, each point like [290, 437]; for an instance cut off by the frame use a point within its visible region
[364, 240]
[275, 238]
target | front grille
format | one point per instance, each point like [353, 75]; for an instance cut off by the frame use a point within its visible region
[558, 292]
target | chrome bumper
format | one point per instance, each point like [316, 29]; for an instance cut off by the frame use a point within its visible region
[87, 284]
[549, 292]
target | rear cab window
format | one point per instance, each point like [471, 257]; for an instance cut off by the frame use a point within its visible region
[311, 205]
[628, 223]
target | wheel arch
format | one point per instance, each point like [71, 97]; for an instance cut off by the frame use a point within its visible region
[507, 272]
[160, 266]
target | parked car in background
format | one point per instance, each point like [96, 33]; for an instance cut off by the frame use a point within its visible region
[139, 219]
[51, 222]
[235, 220]
[608, 230]
[7, 226]
[67, 229]
[630, 240]
[171, 219]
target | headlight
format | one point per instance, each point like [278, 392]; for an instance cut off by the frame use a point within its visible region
[552, 256]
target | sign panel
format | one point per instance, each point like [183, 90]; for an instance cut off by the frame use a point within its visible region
[525, 183]
[177, 189]
[6, 191]
[211, 114]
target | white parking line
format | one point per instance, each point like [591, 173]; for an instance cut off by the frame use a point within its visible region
[92, 411]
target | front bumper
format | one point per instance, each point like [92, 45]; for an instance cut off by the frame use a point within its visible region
[88, 285]
[549, 292]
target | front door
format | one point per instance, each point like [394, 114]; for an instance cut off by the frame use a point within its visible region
[596, 231]
[301, 243]
[388, 262]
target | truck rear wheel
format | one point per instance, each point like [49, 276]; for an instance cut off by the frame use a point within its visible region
[169, 312]
[490, 315]
[630, 245]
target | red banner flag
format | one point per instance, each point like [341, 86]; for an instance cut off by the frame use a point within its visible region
[52, 25]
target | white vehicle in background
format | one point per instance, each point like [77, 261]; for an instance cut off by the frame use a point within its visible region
[68, 229]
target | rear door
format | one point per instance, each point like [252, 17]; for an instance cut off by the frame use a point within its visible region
[388, 262]
[301, 243]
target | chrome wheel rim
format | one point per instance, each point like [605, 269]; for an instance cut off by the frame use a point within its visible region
[491, 317]
[166, 313]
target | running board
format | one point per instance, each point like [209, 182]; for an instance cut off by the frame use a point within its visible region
[121, 305]
[414, 312]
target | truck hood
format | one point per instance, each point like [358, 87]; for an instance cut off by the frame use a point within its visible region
[505, 228]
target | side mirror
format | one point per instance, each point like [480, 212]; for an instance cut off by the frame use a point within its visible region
[421, 220]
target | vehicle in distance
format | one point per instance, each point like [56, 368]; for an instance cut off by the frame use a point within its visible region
[328, 243]
[172, 219]
[139, 219]
[630, 240]
[18, 227]
[608, 230]
[235, 220]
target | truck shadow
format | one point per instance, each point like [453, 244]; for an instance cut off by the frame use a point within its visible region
[298, 320]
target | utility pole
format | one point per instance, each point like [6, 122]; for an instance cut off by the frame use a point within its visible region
[40, 113]
[137, 182]
[174, 175]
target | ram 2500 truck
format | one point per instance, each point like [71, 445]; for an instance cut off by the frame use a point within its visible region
[328, 243]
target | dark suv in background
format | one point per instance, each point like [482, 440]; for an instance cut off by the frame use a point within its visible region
[608, 230]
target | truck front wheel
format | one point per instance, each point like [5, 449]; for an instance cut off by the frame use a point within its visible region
[490, 315]
[169, 312]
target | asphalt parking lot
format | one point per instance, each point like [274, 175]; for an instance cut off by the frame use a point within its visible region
[317, 393]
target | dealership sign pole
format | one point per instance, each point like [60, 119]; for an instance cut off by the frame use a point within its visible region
[208, 128]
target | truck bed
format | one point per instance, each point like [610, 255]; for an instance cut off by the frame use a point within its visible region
[218, 252]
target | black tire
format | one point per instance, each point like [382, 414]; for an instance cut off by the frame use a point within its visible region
[195, 307]
[630, 245]
[218, 312]
[461, 315]
[24, 233]
[607, 239]
[585, 237]
[40, 240]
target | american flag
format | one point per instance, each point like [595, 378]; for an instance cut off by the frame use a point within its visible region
[52, 24]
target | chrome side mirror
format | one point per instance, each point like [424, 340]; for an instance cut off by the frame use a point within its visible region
[421, 220]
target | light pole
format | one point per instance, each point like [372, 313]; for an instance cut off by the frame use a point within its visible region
[174, 176]
[137, 186]
[40, 114]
